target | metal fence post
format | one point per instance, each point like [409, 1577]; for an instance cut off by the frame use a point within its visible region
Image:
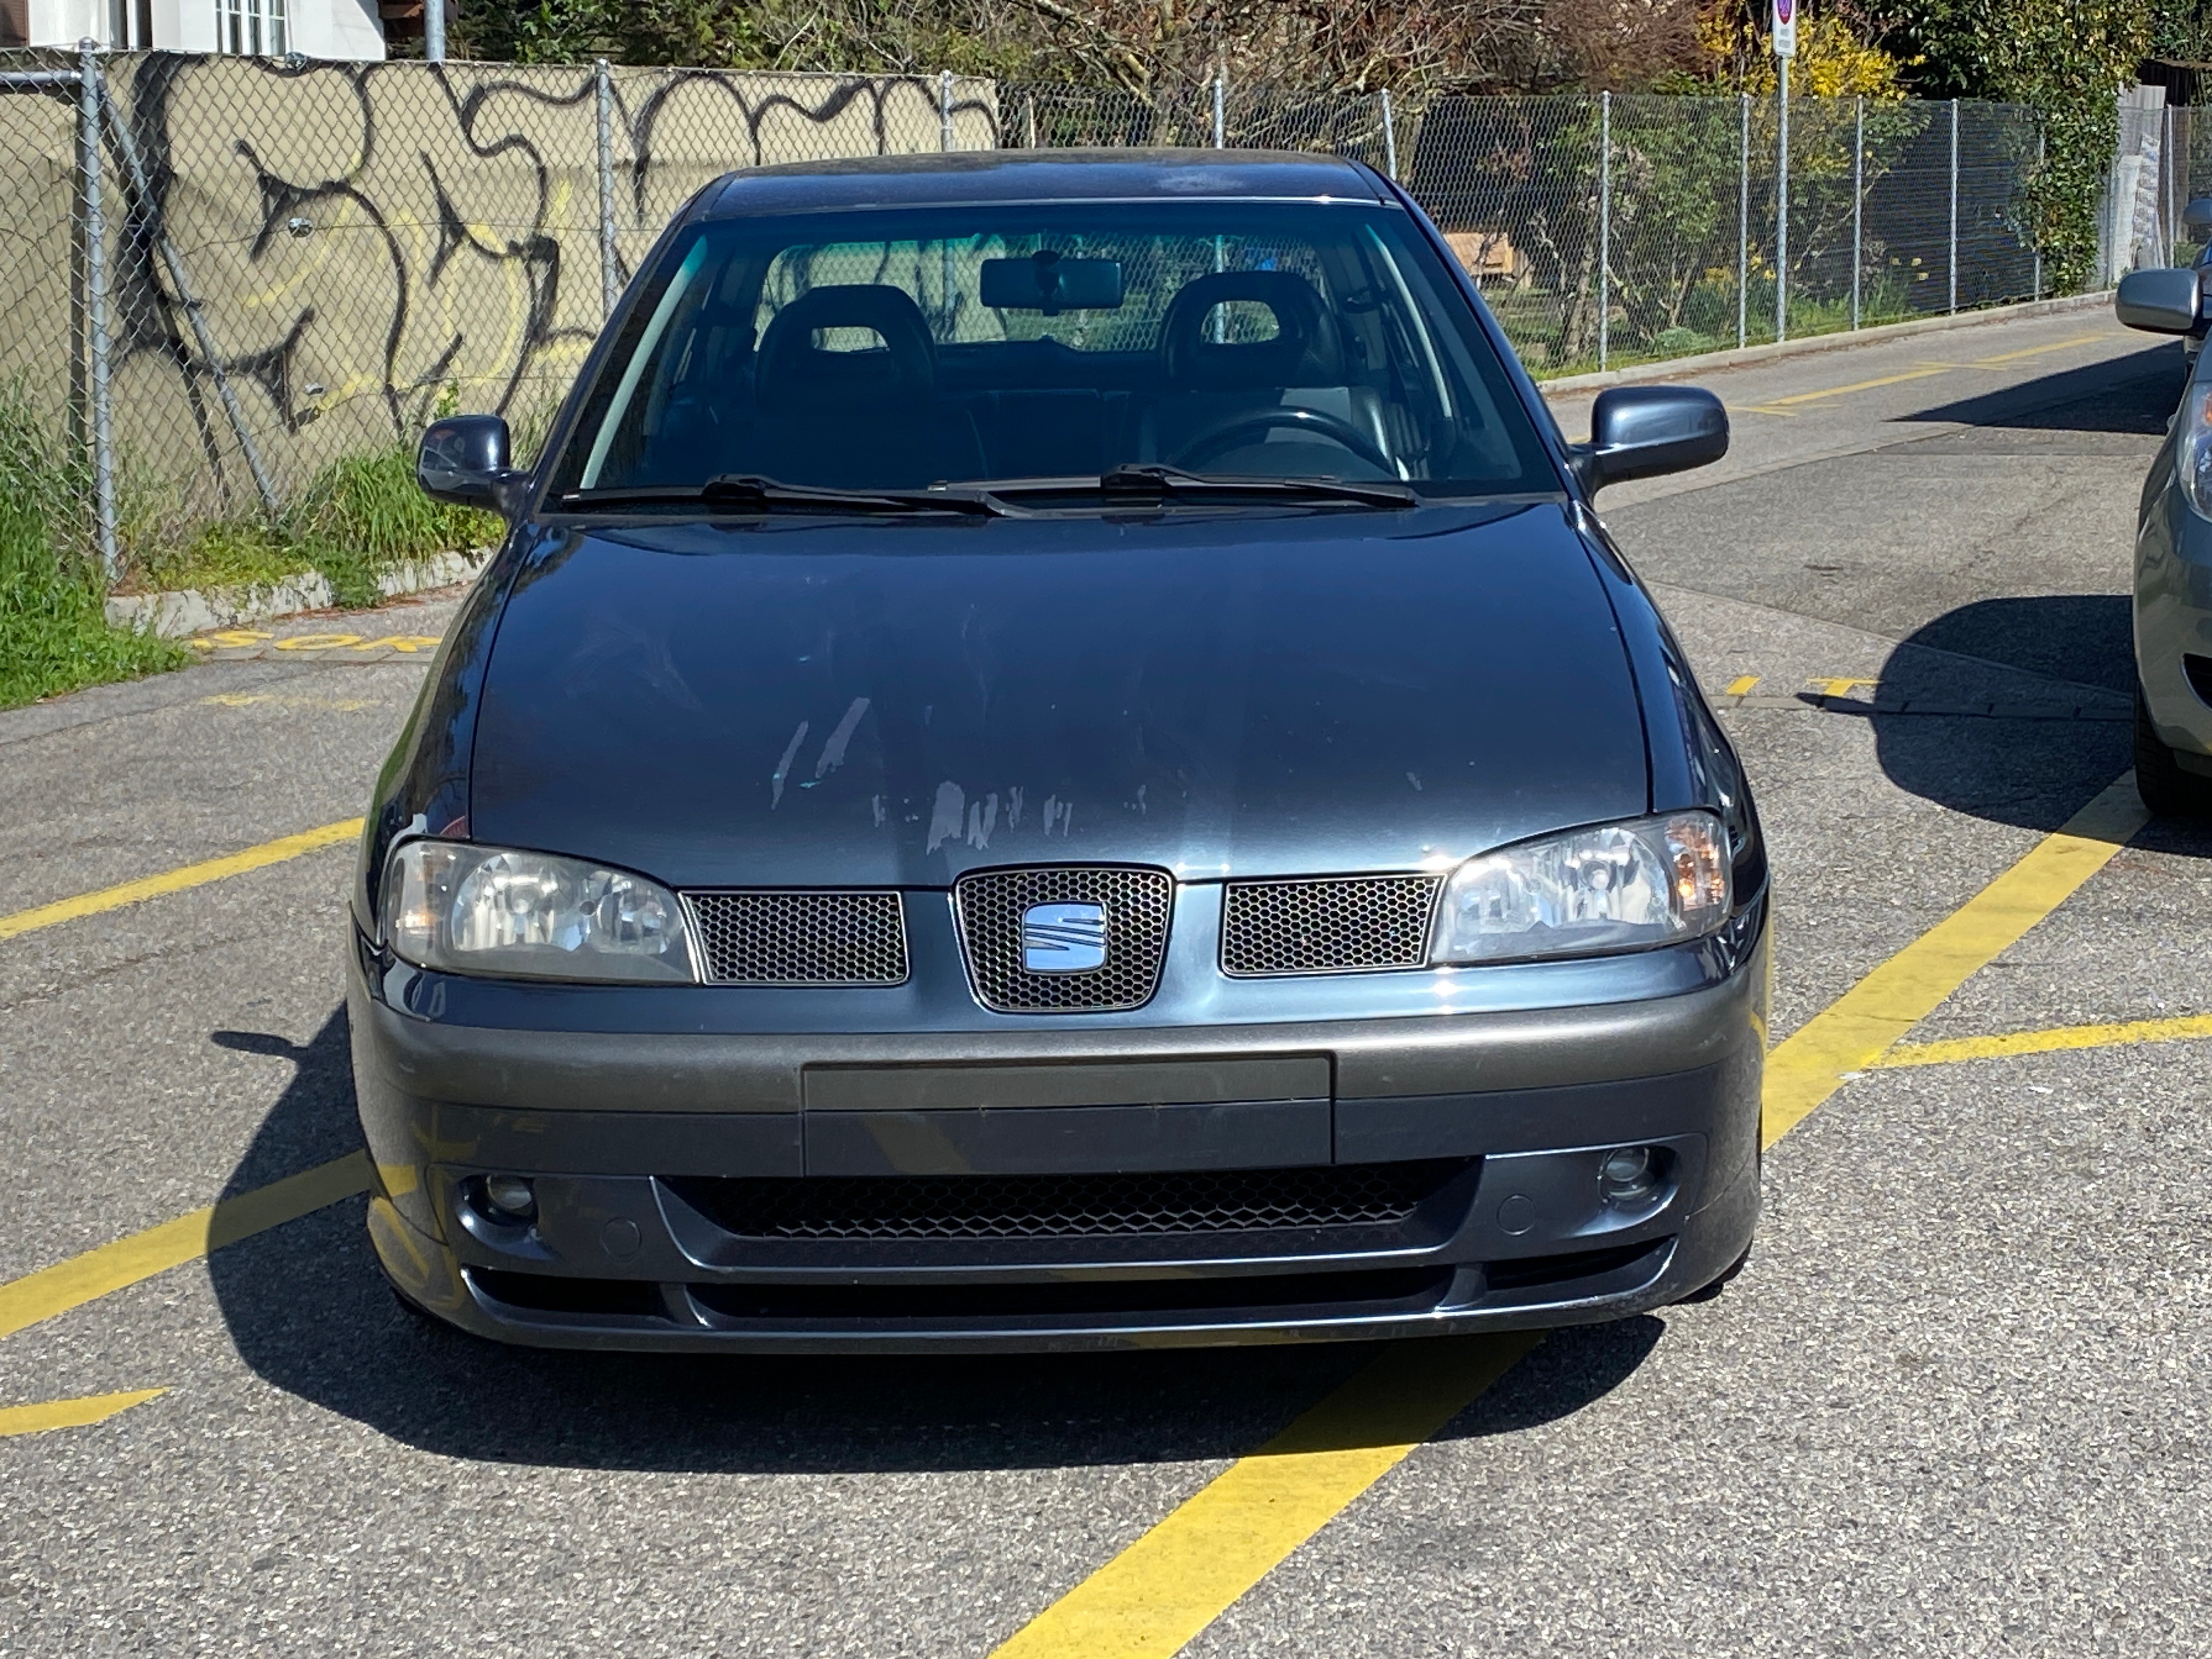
[1743, 221]
[1782, 212]
[95, 307]
[1604, 224]
[1858, 204]
[1389, 138]
[1220, 142]
[2168, 217]
[433, 31]
[2038, 174]
[609, 281]
[945, 109]
[1954, 204]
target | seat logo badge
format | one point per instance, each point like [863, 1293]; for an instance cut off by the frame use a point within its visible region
[1063, 938]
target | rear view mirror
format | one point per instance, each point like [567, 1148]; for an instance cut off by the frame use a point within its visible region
[2158, 302]
[463, 459]
[2196, 217]
[1047, 282]
[1644, 431]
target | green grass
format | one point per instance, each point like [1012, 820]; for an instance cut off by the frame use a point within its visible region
[54, 635]
[361, 516]
[234, 553]
[365, 515]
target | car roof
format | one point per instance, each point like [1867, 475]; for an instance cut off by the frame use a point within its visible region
[1038, 175]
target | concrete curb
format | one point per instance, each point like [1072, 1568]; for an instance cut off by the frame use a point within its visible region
[189, 610]
[1675, 367]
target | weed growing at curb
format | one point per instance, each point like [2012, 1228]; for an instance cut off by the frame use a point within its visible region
[54, 632]
[362, 517]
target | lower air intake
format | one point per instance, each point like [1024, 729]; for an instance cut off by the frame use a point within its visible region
[1069, 1205]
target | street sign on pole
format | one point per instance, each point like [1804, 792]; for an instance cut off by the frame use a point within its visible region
[1785, 29]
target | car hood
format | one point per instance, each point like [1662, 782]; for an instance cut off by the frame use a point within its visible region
[793, 700]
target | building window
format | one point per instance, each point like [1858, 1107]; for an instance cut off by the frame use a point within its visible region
[253, 28]
[129, 25]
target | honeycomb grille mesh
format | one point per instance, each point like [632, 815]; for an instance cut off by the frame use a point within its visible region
[1068, 1205]
[1137, 904]
[1353, 924]
[800, 939]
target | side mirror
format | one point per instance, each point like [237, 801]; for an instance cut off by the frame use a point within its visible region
[2158, 302]
[2197, 218]
[1644, 431]
[463, 459]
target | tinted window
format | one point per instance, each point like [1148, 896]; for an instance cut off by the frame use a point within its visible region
[895, 349]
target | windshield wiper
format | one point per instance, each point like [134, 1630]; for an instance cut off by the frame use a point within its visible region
[747, 492]
[1153, 481]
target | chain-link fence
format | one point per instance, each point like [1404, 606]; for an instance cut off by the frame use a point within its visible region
[228, 281]
[1611, 230]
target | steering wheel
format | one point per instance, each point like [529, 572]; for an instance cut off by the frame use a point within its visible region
[1225, 435]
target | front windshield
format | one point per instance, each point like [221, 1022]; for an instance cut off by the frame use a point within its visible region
[893, 349]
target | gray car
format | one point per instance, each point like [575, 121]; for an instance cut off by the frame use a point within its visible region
[2174, 565]
[1056, 757]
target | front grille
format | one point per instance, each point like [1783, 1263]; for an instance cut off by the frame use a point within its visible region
[1344, 925]
[1066, 1205]
[800, 939]
[1137, 903]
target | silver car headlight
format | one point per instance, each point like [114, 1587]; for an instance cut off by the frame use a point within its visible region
[468, 909]
[1617, 887]
[2192, 448]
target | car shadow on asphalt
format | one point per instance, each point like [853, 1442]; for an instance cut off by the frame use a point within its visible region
[309, 1311]
[2014, 710]
[2134, 394]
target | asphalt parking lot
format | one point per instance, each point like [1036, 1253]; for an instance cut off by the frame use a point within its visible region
[1955, 1406]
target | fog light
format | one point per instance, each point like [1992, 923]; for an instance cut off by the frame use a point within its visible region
[510, 1198]
[1628, 1176]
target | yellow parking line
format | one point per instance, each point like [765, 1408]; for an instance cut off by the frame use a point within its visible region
[70, 1414]
[110, 1267]
[1856, 386]
[176, 881]
[1740, 686]
[1867, 1020]
[1194, 1565]
[2055, 1039]
[2003, 357]
[1183, 1574]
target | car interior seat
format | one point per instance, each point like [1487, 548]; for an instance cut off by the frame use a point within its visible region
[1214, 384]
[856, 419]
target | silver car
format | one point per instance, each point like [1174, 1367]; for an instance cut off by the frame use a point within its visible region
[2173, 567]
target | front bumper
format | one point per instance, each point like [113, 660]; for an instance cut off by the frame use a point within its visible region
[648, 1233]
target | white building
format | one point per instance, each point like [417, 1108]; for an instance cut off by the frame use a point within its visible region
[315, 28]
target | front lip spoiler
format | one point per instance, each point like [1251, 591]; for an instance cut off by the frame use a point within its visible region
[1458, 1303]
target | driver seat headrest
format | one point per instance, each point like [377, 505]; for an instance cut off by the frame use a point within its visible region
[797, 373]
[1304, 351]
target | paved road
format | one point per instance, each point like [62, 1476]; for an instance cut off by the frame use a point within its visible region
[1956, 1406]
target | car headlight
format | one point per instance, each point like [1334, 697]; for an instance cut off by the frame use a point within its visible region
[470, 910]
[2192, 449]
[1617, 887]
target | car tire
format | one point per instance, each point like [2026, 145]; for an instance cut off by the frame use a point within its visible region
[2168, 791]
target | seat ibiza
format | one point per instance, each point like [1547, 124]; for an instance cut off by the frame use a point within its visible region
[1055, 757]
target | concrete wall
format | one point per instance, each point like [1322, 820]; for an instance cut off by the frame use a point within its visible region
[363, 237]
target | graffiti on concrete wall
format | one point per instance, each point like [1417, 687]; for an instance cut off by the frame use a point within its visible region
[338, 247]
